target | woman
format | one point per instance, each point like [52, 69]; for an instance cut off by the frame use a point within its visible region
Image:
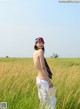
[43, 82]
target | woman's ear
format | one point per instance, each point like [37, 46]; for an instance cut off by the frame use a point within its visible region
[36, 44]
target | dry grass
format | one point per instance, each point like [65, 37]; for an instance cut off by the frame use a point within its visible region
[18, 88]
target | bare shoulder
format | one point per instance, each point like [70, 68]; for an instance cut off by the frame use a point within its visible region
[40, 52]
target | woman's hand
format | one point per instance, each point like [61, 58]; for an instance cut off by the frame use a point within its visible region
[50, 84]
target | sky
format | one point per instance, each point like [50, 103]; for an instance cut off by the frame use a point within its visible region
[21, 21]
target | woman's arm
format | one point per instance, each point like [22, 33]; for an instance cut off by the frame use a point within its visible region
[42, 63]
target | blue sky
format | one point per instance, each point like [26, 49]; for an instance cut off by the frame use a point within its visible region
[21, 21]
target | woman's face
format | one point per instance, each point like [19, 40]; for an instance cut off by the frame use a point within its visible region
[40, 45]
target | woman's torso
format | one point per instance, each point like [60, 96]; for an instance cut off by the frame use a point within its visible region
[37, 65]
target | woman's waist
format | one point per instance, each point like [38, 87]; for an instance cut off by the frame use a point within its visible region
[41, 77]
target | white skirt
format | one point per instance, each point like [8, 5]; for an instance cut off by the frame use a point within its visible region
[46, 95]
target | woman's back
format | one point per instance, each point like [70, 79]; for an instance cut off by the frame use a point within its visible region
[36, 60]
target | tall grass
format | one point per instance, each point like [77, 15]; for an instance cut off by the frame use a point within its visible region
[18, 88]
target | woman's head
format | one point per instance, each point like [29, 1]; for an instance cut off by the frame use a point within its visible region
[39, 43]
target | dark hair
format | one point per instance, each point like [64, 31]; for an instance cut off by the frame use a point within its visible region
[36, 48]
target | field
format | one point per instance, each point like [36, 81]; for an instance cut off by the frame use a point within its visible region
[18, 88]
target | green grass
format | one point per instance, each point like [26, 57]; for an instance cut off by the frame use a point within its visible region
[18, 84]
